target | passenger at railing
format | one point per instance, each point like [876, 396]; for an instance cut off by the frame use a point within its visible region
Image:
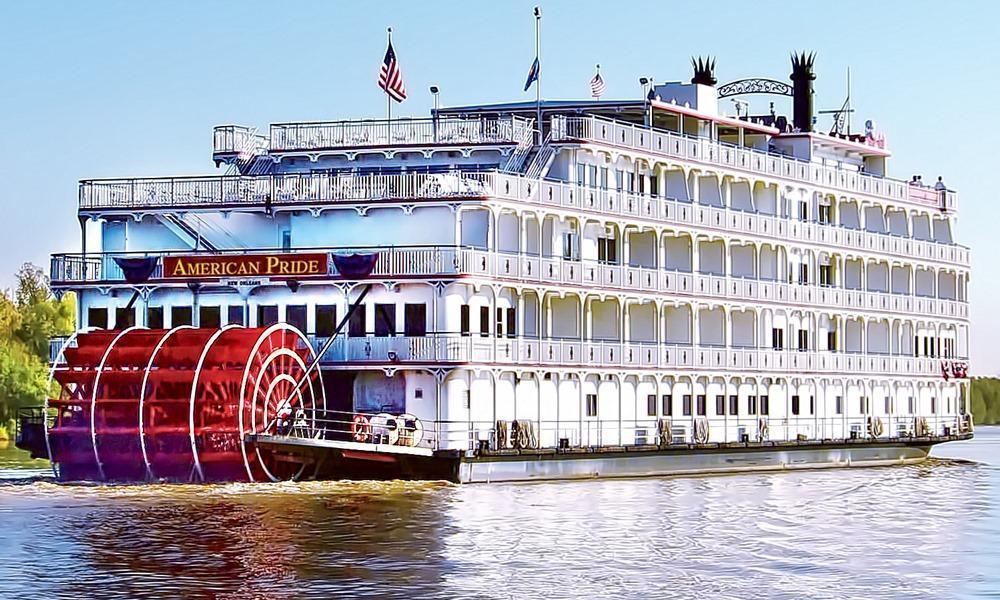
[940, 186]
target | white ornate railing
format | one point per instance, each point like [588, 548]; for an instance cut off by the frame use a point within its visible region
[286, 137]
[667, 143]
[454, 348]
[448, 261]
[236, 191]
[674, 212]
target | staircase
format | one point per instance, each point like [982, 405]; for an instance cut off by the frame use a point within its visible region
[541, 160]
[521, 154]
[182, 229]
[251, 158]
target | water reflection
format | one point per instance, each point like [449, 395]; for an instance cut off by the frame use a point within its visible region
[903, 532]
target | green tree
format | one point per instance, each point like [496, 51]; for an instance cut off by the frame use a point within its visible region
[42, 317]
[28, 318]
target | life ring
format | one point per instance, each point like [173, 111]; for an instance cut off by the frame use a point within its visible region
[762, 429]
[877, 427]
[361, 428]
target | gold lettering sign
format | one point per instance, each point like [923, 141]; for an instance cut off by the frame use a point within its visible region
[244, 265]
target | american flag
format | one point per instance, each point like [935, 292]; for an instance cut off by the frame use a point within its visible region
[390, 78]
[597, 84]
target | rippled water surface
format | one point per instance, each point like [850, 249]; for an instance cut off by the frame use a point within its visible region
[926, 531]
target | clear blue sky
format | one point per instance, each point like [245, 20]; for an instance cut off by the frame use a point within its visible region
[104, 89]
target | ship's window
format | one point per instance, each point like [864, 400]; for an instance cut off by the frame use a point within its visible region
[840, 405]
[124, 317]
[499, 322]
[667, 405]
[464, 320]
[581, 174]
[686, 405]
[824, 213]
[651, 405]
[511, 322]
[385, 320]
[326, 320]
[286, 240]
[418, 393]
[267, 314]
[765, 406]
[720, 405]
[592, 181]
[235, 315]
[825, 275]
[606, 250]
[604, 178]
[803, 339]
[180, 315]
[357, 325]
[803, 211]
[484, 321]
[778, 338]
[752, 405]
[154, 317]
[803, 273]
[702, 401]
[812, 405]
[295, 315]
[862, 403]
[795, 405]
[591, 405]
[654, 186]
[209, 316]
[933, 406]
[619, 179]
[910, 405]
[887, 406]
[734, 405]
[831, 340]
[415, 320]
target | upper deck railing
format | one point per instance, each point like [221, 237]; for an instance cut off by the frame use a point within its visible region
[236, 139]
[291, 188]
[285, 137]
[701, 149]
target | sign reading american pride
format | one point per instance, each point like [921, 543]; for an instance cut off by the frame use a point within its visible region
[244, 265]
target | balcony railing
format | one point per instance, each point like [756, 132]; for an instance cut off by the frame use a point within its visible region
[675, 212]
[236, 191]
[286, 137]
[451, 261]
[638, 137]
[454, 348]
[235, 139]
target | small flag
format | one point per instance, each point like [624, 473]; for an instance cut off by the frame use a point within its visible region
[597, 84]
[532, 74]
[390, 78]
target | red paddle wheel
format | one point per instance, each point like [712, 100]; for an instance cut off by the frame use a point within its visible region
[178, 404]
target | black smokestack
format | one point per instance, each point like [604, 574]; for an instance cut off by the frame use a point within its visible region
[704, 70]
[802, 90]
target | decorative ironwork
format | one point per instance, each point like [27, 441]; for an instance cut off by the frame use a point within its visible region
[704, 70]
[755, 85]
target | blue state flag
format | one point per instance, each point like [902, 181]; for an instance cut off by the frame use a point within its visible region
[532, 75]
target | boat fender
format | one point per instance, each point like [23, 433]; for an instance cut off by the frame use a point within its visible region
[877, 427]
[361, 428]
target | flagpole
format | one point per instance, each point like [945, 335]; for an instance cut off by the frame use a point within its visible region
[538, 77]
[388, 97]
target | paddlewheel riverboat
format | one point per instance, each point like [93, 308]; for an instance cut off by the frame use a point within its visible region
[515, 291]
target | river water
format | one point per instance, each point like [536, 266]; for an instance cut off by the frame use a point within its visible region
[924, 531]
